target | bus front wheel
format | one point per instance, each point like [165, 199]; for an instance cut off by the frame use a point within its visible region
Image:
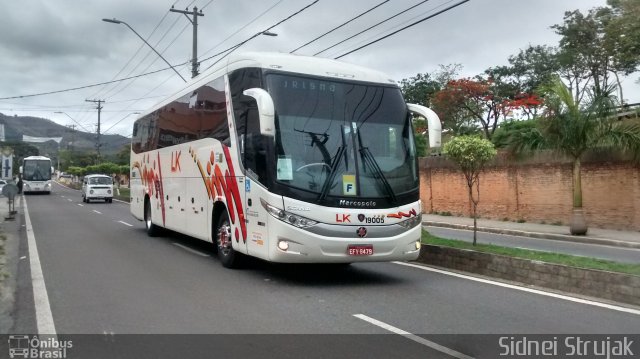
[228, 256]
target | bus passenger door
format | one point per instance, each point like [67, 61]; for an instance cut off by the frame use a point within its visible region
[256, 219]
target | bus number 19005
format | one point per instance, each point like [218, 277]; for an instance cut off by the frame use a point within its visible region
[374, 220]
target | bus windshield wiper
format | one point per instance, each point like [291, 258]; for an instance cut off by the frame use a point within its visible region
[332, 173]
[368, 158]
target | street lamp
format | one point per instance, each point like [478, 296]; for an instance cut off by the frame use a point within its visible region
[114, 21]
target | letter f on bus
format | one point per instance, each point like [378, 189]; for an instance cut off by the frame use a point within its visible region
[349, 187]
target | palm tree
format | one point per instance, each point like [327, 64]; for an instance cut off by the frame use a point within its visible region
[571, 130]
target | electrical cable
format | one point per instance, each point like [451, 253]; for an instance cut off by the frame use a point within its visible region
[231, 49]
[339, 26]
[404, 28]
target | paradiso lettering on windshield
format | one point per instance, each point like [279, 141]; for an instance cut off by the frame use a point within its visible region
[308, 85]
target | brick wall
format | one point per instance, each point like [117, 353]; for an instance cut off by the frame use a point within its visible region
[537, 190]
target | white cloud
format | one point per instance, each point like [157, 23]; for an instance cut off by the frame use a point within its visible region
[49, 46]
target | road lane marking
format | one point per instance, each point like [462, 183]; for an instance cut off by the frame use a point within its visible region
[80, 204]
[126, 224]
[413, 337]
[98, 212]
[117, 200]
[44, 318]
[69, 199]
[525, 289]
[191, 250]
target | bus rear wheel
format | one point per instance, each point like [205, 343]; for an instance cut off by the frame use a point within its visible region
[227, 255]
[152, 229]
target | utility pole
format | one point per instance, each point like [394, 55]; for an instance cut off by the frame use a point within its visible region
[72, 129]
[194, 22]
[98, 144]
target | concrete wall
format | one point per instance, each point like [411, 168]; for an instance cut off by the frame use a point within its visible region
[538, 189]
[618, 287]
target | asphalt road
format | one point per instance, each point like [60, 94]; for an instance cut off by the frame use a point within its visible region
[104, 275]
[618, 254]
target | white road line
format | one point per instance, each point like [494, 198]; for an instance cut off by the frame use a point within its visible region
[191, 250]
[98, 212]
[117, 200]
[126, 224]
[44, 318]
[525, 289]
[80, 204]
[69, 199]
[413, 337]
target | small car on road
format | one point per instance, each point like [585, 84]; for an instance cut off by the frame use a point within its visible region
[97, 187]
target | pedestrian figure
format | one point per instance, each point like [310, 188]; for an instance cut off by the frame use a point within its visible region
[20, 183]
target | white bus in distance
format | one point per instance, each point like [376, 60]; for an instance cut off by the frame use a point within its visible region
[286, 158]
[36, 174]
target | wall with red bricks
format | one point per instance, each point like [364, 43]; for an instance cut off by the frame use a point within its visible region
[537, 190]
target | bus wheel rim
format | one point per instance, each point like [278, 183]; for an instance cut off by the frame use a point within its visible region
[224, 238]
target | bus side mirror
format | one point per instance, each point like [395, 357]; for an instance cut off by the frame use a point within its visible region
[266, 110]
[433, 121]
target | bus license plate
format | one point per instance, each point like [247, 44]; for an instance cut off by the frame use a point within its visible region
[360, 250]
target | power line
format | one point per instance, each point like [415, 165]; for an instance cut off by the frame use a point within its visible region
[371, 27]
[339, 26]
[403, 28]
[393, 27]
[240, 29]
[233, 48]
[92, 85]
[135, 54]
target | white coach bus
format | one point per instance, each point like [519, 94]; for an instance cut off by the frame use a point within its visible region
[36, 174]
[286, 158]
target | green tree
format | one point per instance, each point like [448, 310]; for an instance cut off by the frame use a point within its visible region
[122, 157]
[571, 130]
[471, 154]
[597, 47]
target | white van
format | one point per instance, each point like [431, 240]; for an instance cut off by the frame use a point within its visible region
[97, 187]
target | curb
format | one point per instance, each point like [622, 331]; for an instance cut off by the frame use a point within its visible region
[551, 236]
[593, 283]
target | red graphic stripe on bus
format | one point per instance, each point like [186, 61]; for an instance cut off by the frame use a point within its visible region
[219, 184]
[161, 189]
[402, 214]
[233, 184]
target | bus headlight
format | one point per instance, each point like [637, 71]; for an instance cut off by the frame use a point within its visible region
[287, 217]
[90, 191]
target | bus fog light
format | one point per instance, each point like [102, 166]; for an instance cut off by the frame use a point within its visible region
[418, 245]
[283, 245]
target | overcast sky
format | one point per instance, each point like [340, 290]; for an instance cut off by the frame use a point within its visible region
[55, 45]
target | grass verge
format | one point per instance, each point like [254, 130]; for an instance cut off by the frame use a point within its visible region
[125, 194]
[549, 257]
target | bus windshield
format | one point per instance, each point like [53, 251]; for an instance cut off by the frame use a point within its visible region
[340, 138]
[37, 170]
